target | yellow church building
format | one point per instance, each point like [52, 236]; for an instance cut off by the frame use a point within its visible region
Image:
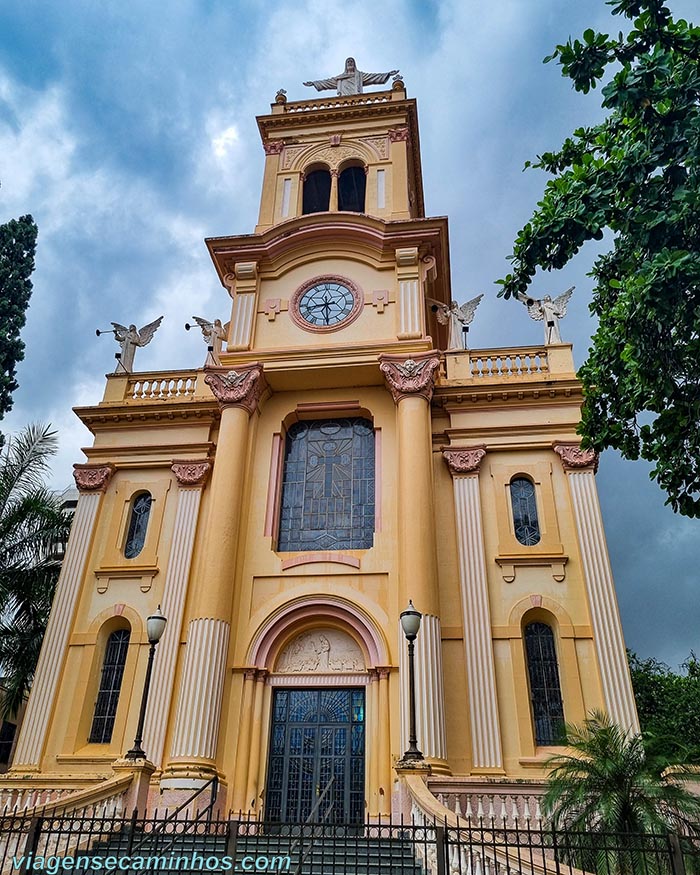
[338, 456]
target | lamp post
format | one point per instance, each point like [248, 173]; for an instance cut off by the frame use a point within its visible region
[410, 623]
[155, 626]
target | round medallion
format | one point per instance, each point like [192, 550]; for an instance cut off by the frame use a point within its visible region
[326, 303]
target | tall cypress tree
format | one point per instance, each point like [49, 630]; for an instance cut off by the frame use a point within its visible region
[17, 248]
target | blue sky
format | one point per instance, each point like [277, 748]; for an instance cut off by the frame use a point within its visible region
[128, 130]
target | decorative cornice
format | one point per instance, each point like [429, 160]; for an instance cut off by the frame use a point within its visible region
[572, 456]
[412, 376]
[242, 388]
[91, 477]
[464, 460]
[191, 473]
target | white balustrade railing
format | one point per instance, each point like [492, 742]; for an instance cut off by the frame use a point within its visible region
[495, 810]
[161, 388]
[495, 363]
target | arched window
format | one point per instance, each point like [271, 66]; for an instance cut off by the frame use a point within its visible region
[522, 497]
[317, 192]
[352, 183]
[545, 690]
[138, 523]
[110, 685]
[328, 486]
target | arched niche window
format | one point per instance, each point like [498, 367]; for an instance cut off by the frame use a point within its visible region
[525, 522]
[352, 184]
[328, 486]
[317, 192]
[545, 690]
[110, 686]
[138, 524]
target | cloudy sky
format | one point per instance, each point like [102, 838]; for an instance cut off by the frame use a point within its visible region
[127, 129]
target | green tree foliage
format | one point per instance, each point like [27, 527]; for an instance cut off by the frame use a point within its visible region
[668, 704]
[31, 526]
[607, 783]
[17, 248]
[636, 174]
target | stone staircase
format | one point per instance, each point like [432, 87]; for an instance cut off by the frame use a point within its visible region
[351, 853]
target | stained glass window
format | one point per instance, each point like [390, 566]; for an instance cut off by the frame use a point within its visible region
[110, 685]
[138, 523]
[328, 486]
[522, 496]
[545, 690]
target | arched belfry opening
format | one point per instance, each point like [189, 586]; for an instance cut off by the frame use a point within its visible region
[317, 191]
[352, 185]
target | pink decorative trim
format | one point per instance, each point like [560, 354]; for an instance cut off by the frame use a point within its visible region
[412, 376]
[357, 294]
[377, 480]
[399, 135]
[273, 486]
[335, 139]
[241, 388]
[464, 460]
[536, 601]
[311, 558]
[273, 147]
[119, 610]
[572, 456]
[91, 477]
[276, 629]
[191, 473]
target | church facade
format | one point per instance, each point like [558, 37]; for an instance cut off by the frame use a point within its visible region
[333, 460]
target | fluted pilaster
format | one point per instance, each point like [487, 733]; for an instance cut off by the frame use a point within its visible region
[91, 480]
[191, 477]
[481, 678]
[199, 709]
[605, 618]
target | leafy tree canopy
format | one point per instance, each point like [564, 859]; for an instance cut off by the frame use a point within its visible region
[17, 248]
[668, 704]
[636, 174]
[32, 526]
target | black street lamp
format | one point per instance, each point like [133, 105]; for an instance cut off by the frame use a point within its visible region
[410, 623]
[155, 626]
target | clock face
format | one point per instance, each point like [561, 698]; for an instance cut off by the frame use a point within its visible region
[326, 303]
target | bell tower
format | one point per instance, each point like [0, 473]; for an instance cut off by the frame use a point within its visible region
[317, 152]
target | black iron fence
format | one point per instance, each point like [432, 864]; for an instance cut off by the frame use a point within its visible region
[190, 843]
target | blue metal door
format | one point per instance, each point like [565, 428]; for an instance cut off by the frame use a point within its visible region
[316, 736]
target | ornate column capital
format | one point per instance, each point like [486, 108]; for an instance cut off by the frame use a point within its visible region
[242, 388]
[398, 135]
[273, 147]
[191, 472]
[464, 460]
[411, 376]
[573, 457]
[91, 477]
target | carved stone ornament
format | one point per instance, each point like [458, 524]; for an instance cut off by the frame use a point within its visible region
[191, 473]
[321, 650]
[92, 478]
[273, 147]
[465, 460]
[237, 388]
[411, 376]
[399, 135]
[572, 456]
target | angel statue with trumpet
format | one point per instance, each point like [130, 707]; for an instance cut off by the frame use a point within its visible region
[128, 339]
[550, 311]
[458, 317]
[214, 334]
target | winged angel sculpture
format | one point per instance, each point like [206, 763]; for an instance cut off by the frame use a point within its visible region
[458, 317]
[550, 311]
[129, 338]
[214, 334]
